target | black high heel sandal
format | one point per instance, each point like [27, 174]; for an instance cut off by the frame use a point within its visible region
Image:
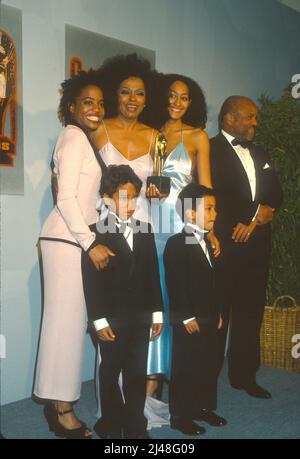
[158, 391]
[60, 431]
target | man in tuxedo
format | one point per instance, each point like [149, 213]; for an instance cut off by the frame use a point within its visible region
[123, 301]
[248, 193]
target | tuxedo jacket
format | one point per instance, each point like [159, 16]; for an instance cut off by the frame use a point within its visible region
[128, 290]
[190, 280]
[234, 198]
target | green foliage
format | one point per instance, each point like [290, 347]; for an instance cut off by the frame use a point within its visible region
[279, 134]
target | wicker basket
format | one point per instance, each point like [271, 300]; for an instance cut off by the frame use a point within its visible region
[279, 326]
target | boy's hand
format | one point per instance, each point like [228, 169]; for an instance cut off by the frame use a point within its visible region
[192, 327]
[106, 334]
[221, 323]
[156, 331]
[100, 256]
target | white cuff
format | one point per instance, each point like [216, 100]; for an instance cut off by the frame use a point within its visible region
[157, 317]
[100, 323]
[188, 320]
[256, 212]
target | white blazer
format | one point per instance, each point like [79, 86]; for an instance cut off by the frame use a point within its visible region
[78, 175]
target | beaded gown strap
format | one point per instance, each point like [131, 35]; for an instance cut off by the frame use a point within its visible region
[151, 139]
[108, 139]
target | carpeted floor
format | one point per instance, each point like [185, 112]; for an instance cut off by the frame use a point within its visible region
[248, 417]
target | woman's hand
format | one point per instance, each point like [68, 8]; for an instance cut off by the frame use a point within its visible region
[156, 330]
[100, 256]
[153, 192]
[214, 242]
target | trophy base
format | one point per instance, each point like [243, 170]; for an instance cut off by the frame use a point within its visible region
[162, 183]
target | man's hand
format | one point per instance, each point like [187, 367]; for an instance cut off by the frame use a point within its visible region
[192, 327]
[156, 330]
[214, 242]
[100, 256]
[241, 232]
[264, 215]
[106, 334]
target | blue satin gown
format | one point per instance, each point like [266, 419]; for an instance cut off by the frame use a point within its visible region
[167, 222]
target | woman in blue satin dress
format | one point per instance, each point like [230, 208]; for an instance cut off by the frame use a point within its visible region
[187, 152]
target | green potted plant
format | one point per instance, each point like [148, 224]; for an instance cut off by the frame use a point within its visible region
[279, 134]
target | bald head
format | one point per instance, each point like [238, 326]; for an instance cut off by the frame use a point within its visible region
[238, 117]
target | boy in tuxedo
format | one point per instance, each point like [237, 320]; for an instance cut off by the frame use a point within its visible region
[123, 301]
[194, 312]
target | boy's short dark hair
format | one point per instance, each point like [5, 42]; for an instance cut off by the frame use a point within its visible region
[115, 176]
[190, 195]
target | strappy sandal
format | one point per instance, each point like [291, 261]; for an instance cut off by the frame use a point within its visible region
[52, 415]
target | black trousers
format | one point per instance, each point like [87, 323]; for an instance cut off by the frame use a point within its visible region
[242, 278]
[127, 354]
[193, 383]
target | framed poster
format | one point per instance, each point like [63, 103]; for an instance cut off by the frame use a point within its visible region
[11, 122]
[86, 49]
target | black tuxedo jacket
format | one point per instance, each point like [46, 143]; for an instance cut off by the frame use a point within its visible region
[234, 198]
[190, 280]
[128, 290]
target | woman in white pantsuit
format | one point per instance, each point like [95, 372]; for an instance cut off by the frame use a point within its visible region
[64, 235]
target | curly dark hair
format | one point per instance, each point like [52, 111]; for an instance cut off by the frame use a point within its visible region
[196, 115]
[116, 69]
[115, 176]
[71, 88]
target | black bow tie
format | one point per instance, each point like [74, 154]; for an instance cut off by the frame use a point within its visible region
[119, 224]
[242, 143]
[202, 235]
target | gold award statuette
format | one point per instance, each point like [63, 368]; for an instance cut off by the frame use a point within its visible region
[162, 183]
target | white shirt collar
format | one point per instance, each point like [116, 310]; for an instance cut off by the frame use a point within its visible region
[197, 229]
[229, 137]
[119, 220]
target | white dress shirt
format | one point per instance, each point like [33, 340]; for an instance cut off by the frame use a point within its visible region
[157, 317]
[203, 246]
[247, 162]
